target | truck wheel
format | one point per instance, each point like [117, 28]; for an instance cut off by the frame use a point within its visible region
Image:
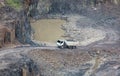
[59, 46]
[70, 47]
[62, 47]
[74, 47]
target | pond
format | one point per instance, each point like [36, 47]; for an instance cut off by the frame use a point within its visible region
[48, 30]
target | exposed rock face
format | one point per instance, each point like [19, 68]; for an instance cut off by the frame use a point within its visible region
[3, 32]
[23, 27]
[71, 6]
[7, 21]
[63, 62]
[12, 19]
[19, 21]
[43, 6]
[111, 68]
[16, 64]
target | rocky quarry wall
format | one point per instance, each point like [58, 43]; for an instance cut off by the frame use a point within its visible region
[18, 20]
[17, 64]
[60, 62]
[18, 16]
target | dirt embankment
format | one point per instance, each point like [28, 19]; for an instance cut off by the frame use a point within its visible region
[76, 62]
[49, 61]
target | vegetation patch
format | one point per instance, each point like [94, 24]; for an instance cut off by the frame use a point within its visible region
[14, 3]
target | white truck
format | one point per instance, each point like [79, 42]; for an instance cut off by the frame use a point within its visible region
[71, 44]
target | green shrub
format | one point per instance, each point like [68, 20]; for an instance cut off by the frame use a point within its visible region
[14, 3]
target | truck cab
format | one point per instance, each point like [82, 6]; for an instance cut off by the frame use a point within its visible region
[60, 43]
[67, 44]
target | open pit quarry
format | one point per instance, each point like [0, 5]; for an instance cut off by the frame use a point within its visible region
[97, 54]
[29, 30]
